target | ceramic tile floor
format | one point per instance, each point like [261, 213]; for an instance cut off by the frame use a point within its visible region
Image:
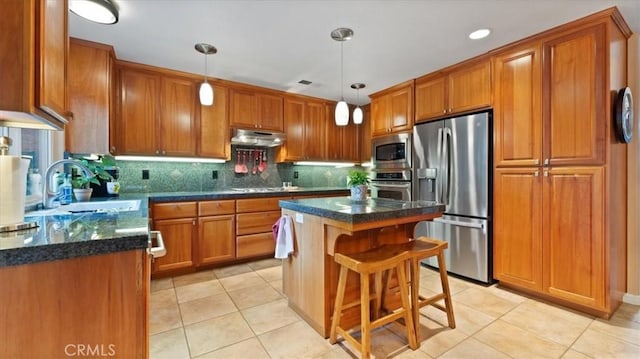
[241, 312]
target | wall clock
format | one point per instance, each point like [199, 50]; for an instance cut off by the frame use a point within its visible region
[624, 115]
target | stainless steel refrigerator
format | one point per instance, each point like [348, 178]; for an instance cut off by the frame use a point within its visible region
[451, 164]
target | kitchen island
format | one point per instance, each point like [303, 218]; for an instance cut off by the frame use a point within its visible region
[325, 226]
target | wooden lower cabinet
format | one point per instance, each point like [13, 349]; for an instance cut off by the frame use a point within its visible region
[550, 236]
[178, 237]
[254, 221]
[215, 242]
[64, 308]
[254, 245]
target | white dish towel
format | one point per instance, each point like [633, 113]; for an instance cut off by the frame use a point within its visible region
[284, 238]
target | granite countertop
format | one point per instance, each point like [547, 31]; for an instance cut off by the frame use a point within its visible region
[372, 209]
[81, 234]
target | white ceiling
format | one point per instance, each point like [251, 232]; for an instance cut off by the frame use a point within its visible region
[276, 43]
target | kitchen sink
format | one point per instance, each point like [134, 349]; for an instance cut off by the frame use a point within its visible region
[88, 207]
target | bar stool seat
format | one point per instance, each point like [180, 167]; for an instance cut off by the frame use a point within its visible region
[374, 261]
[419, 249]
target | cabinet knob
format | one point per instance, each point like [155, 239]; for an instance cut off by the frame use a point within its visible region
[164, 152]
[546, 161]
[193, 222]
[535, 174]
[546, 173]
[537, 161]
[157, 152]
[113, 149]
[444, 111]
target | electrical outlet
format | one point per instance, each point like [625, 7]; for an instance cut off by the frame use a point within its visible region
[214, 174]
[145, 174]
[295, 174]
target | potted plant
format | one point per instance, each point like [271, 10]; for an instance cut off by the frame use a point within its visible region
[358, 181]
[81, 183]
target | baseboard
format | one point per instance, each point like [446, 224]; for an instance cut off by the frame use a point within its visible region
[631, 299]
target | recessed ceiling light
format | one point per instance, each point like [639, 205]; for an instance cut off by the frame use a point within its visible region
[304, 82]
[479, 34]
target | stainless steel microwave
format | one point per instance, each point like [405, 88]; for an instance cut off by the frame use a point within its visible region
[391, 151]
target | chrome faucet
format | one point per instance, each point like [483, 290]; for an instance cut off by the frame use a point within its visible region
[49, 196]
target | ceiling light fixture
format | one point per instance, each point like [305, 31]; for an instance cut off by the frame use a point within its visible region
[357, 112]
[206, 91]
[342, 34]
[479, 34]
[100, 11]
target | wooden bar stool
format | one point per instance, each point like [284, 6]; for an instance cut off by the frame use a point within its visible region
[373, 261]
[419, 249]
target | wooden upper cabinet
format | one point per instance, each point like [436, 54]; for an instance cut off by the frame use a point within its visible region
[90, 89]
[315, 127]
[342, 142]
[213, 137]
[575, 98]
[294, 119]
[177, 117]
[305, 121]
[517, 110]
[138, 113]
[253, 109]
[392, 110]
[463, 88]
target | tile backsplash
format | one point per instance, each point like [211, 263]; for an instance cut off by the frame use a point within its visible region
[190, 177]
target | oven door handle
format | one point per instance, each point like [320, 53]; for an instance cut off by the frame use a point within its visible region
[392, 185]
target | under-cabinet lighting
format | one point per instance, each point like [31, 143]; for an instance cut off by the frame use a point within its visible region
[366, 164]
[314, 163]
[169, 159]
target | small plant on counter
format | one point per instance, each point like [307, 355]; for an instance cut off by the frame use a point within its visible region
[357, 178]
[97, 166]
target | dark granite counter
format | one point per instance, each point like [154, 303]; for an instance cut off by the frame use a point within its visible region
[241, 193]
[343, 209]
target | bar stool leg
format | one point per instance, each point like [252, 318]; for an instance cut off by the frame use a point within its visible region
[337, 309]
[445, 288]
[365, 319]
[415, 295]
[408, 315]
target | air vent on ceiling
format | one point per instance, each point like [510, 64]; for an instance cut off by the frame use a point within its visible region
[304, 82]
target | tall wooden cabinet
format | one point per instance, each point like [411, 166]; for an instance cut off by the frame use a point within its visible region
[251, 108]
[343, 142]
[560, 176]
[392, 109]
[213, 136]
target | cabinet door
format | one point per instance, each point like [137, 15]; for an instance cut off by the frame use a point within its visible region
[518, 109]
[431, 98]
[256, 245]
[243, 108]
[257, 222]
[365, 135]
[294, 118]
[573, 246]
[137, 123]
[333, 134]
[178, 238]
[351, 143]
[216, 242]
[270, 112]
[517, 236]
[380, 113]
[470, 87]
[51, 72]
[90, 71]
[401, 102]
[213, 136]
[314, 132]
[575, 98]
[177, 117]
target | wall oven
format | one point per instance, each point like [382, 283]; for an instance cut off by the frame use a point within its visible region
[391, 184]
[392, 151]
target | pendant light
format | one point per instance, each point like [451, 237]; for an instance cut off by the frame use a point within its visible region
[357, 113]
[100, 11]
[342, 34]
[206, 91]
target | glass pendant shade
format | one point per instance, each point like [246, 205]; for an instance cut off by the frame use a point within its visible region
[206, 94]
[357, 115]
[342, 113]
[100, 11]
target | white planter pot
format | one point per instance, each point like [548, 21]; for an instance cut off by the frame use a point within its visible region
[82, 194]
[359, 193]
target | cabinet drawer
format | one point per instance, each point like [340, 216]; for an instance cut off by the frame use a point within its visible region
[213, 208]
[250, 223]
[174, 210]
[255, 245]
[258, 204]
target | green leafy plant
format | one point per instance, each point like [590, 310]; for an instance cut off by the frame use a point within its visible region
[98, 168]
[357, 178]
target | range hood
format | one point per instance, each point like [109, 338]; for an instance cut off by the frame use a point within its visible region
[259, 138]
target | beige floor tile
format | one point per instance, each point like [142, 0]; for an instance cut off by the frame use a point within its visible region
[232, 270]
[254, 295]
[434, 284]
[628, 312]
[240, 281]
[385, 343]
[468, 320]
[270, 274]
[205, 308]
[337, 351]
[297, 340]
[160, 284]
[517, 342]
[198, 290]
[547, 321]
[484, 301]
[162, 298]
[197, 277]
[472, 348]
[217, 333]
[506, 293]
[265, 263]
[619, 327]
[171, 344]
[572, 354]
[439, 339]
[277, 285]
[599, 345]
[270, 316]
[250, 348]
[163, 318]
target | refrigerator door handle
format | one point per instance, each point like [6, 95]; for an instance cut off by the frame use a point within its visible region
[462, 224]
[439, 184]
[446, 160]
